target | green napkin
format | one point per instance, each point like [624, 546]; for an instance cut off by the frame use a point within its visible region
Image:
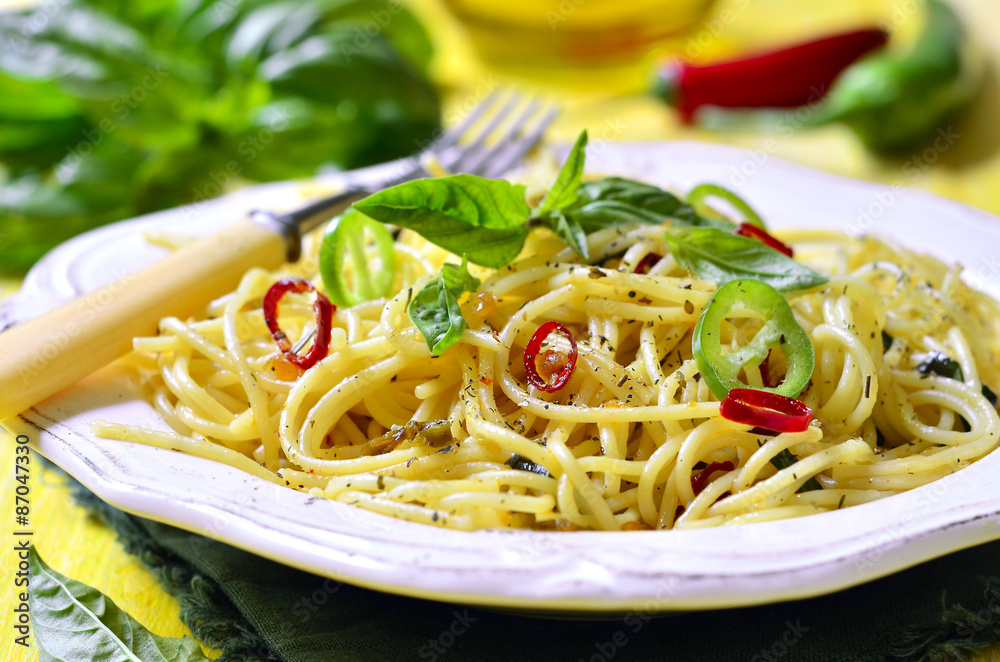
[254, 609]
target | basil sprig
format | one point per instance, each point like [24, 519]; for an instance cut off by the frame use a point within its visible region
[573, 209]
[72, 621]
[487, 221]
[435, 310]
[721, 256]
[616, 201]
[563, 194]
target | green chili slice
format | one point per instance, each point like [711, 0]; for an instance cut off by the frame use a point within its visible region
[345, 236]
[697, 196]
[721, 371]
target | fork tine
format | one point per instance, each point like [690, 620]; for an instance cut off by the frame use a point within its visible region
[514, 152]
[412, 167]
[454, 134]
[454, 161]
[474, 163]
[491, 162]
[474, 157]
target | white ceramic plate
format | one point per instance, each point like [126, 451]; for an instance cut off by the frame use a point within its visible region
[580, 572]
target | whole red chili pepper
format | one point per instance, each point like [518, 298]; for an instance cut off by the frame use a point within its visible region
[785, 78]
[324, 319]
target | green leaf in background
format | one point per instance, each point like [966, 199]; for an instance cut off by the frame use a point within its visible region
[721, 256]
[482, 219]
[75, 623]
[167, 102]
[435, 311]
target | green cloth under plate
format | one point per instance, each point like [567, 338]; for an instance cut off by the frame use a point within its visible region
[254, 609]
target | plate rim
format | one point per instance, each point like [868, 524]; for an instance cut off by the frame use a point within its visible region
[976, 527]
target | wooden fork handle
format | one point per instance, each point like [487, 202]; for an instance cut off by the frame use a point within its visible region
[43, 356]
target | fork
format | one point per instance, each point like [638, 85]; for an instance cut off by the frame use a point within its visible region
[43, 356]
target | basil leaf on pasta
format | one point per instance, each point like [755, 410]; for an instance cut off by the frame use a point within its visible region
[70, 617]
[435, 310]
[483, 219]
[722, 256]
[564, 190]
[569, 230]
[563, 194]
[617, 201]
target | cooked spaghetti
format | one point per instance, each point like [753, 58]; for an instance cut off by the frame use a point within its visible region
[635, 439]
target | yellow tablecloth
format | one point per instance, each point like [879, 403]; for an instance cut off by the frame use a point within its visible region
[969, 171]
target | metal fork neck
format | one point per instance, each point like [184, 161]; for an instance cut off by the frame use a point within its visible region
[294, 224]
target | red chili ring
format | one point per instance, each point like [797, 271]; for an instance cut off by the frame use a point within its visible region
[324, 321]
[764, 409]
[531, 353]
[754, 232]
[647, 262]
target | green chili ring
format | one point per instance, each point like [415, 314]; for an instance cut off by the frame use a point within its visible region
[697, 196]
[781, 330]
[345, 235]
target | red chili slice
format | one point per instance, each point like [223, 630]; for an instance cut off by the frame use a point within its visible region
[700, 480]
[765, 409]
[531, 353]
[754, 232]
[647, 262]
[324, 321]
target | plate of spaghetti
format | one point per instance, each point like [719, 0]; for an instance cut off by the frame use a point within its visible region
[676, 386]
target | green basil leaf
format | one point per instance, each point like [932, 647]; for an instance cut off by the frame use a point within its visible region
[616, 201]
[722, 256]
[36, 214]
[268, 29]
[35, 100]
[482, 219]
[563, 194]
[73, 621]
[564, 191]
[435, 311]
[568, 229]
[387, 106]
[83, 48]
[396, 22]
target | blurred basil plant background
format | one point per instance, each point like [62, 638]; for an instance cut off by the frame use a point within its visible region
[113, 109]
